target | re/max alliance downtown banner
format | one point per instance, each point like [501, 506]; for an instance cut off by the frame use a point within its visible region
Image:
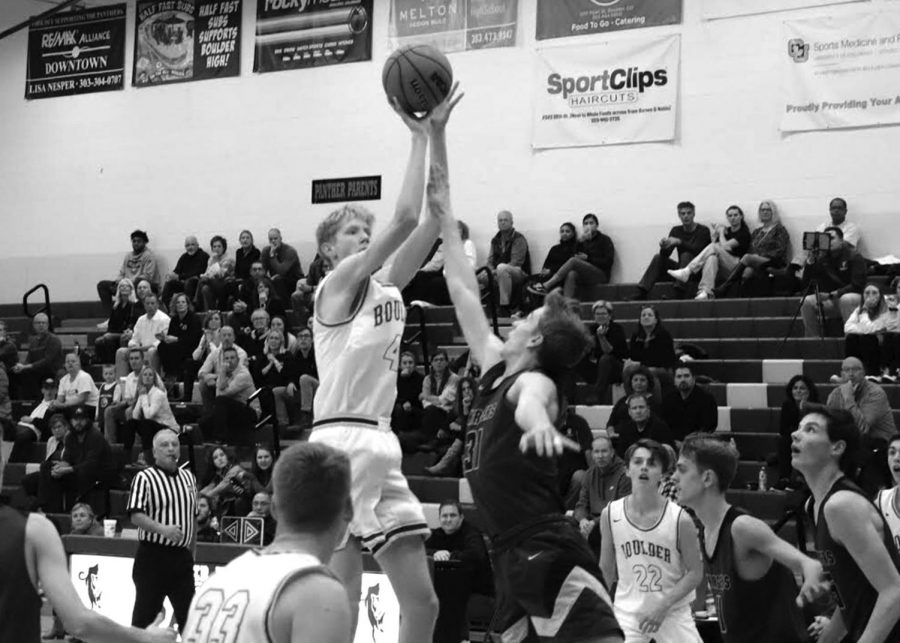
[841, 72]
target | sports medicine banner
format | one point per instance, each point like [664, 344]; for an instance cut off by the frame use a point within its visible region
[454, 25]
[713, 9]
[841, 72]
[561, 18]
[76, 52]
[181, 40]
[624, 91]
[296, 34]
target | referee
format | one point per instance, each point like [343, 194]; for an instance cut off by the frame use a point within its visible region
[162, 504]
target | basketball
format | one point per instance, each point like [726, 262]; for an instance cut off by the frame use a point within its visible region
[419, 77]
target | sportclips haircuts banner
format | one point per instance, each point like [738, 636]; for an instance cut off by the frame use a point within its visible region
[606, 94]
[841, 72]
[561, 18]
[77, 52]
[295, 34]
[179, 40]
[454, 25]
[713, 9]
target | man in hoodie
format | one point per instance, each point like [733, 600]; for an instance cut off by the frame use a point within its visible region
[140, 263]
[605, 481]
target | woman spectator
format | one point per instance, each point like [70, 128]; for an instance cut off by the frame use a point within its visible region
[638, 379]
[227, 484]
[177, 346]
[438, 396]
[261, 471]
[891, 337]
[770, 244]
[800, 390]
[290, 340]
[268, 300]
[150, 413]
[277, 371]
[209, 340]
[213, 287]
[652, 346]
[561, 252]
[407, 414]
[592, 263]
[125, 312]
[609, 350]
[863, 330]
[450, 463]
[84, 523]
[244, 257]
[730, 243]
[76, 388]
[207, 524]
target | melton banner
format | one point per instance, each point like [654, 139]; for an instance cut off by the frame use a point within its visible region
[77, 52]
[182, 40]
[296, 34]
[714, 9]
[562, 18]
[454, 25]
[841, 72]
[623, 91]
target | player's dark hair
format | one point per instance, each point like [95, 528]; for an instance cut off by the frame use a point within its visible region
[565, 338]
[311, 486]
[712, 454]
[658, 454]
[450, 503]
[841, 427]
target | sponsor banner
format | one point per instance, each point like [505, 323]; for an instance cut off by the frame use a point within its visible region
[713, 9]
[296, 34]
[77, 52]
[625, 91]
[357, 188]
[562, 18]
[454, 25]
[181, 40]
[841, 72]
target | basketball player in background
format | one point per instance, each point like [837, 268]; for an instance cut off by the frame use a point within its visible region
[548, 582]
[888, 500]
[749, 569]
[854, 543]
[358, 329]
[650, 546]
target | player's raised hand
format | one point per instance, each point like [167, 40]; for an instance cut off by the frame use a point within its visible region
[418, 126]
[440, 114]
[546, 441]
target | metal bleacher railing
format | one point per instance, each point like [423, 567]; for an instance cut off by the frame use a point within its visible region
[44, 309]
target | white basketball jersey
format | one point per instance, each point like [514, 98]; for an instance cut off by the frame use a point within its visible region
[648, 561]
[234, 604]
[358, 359]
[885, 503]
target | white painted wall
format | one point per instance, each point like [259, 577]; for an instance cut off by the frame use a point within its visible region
[77, 174]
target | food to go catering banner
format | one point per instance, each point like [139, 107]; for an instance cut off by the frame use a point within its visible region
[454, 25]
[296, 34]
[180, 40]
[77, 52]
[713, 9]
[561, 18]
[624, 91]
[841, 72]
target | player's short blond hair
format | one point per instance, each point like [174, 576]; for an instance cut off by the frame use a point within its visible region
[331, 224]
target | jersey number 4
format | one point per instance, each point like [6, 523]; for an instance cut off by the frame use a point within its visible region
[392, 351]
[219, 619]
[647, 577]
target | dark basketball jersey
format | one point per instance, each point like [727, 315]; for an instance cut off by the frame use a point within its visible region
[17, 595]
[751, 611]
[509, 487]
[852, 591]
[105, 396]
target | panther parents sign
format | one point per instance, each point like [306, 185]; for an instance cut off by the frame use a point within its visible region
[357, 188]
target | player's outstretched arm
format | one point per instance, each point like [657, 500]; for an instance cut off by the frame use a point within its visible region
[325, 617]
[534, 396]
[850, 521]
[45, 549]
[607, 550]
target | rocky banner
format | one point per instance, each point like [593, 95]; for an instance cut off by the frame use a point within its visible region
[77, 52]
[181, 40]
[562, 18]
[454, 25]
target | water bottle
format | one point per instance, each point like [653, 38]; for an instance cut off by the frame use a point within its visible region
[763, 478]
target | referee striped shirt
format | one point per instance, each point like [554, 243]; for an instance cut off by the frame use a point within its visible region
[169, 499]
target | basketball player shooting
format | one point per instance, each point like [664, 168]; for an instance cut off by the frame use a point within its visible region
[358, 329]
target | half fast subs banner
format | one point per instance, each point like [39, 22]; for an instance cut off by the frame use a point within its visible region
[77, 52]
[841, 72]
[713, 9]
[454, 25]
[625, 91]
[179, 40]
[295, 34]
[562, 18]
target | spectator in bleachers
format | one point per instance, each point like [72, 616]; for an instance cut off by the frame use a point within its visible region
[282, 265]
[209, 340]
[86, 461]
[227, 483]
[278, 324]
[215, 364]
[837, 209]
[244, 258]
[277, 370]
[608, 352]
[450, 463]
[641, 423]
[183, 335]
[149, 328]
[840, 273]
[261, 507]
[151, 413]
[864, 328]
[689, 238]
[76, 388]
[140, 263]
[9, 352]
[891, 337]
[117, 413]
[233, 418]
[799, 392]
[214, 283]
[43, 360]
[428, 284]
[56, 442]
[652, 346]
[185, 276]
[261, 469]
[461, 567]
[247, 292]
[253, 339]
[6, 416]
[143, 288]
[268, 299]
[689, 408]
[126, 310]
[604, 482]
[407, 414]
[438, 397]
[34, 426]
[572, 465]
[668, 486]
[638, 379]
[84, 522]
[308, 372]
[107, 393]
[868, 404]
[304, 295]
[730, 243]
[509, 261]
[770, 245]
[591, 264]
[207, 523]
[561, 252]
